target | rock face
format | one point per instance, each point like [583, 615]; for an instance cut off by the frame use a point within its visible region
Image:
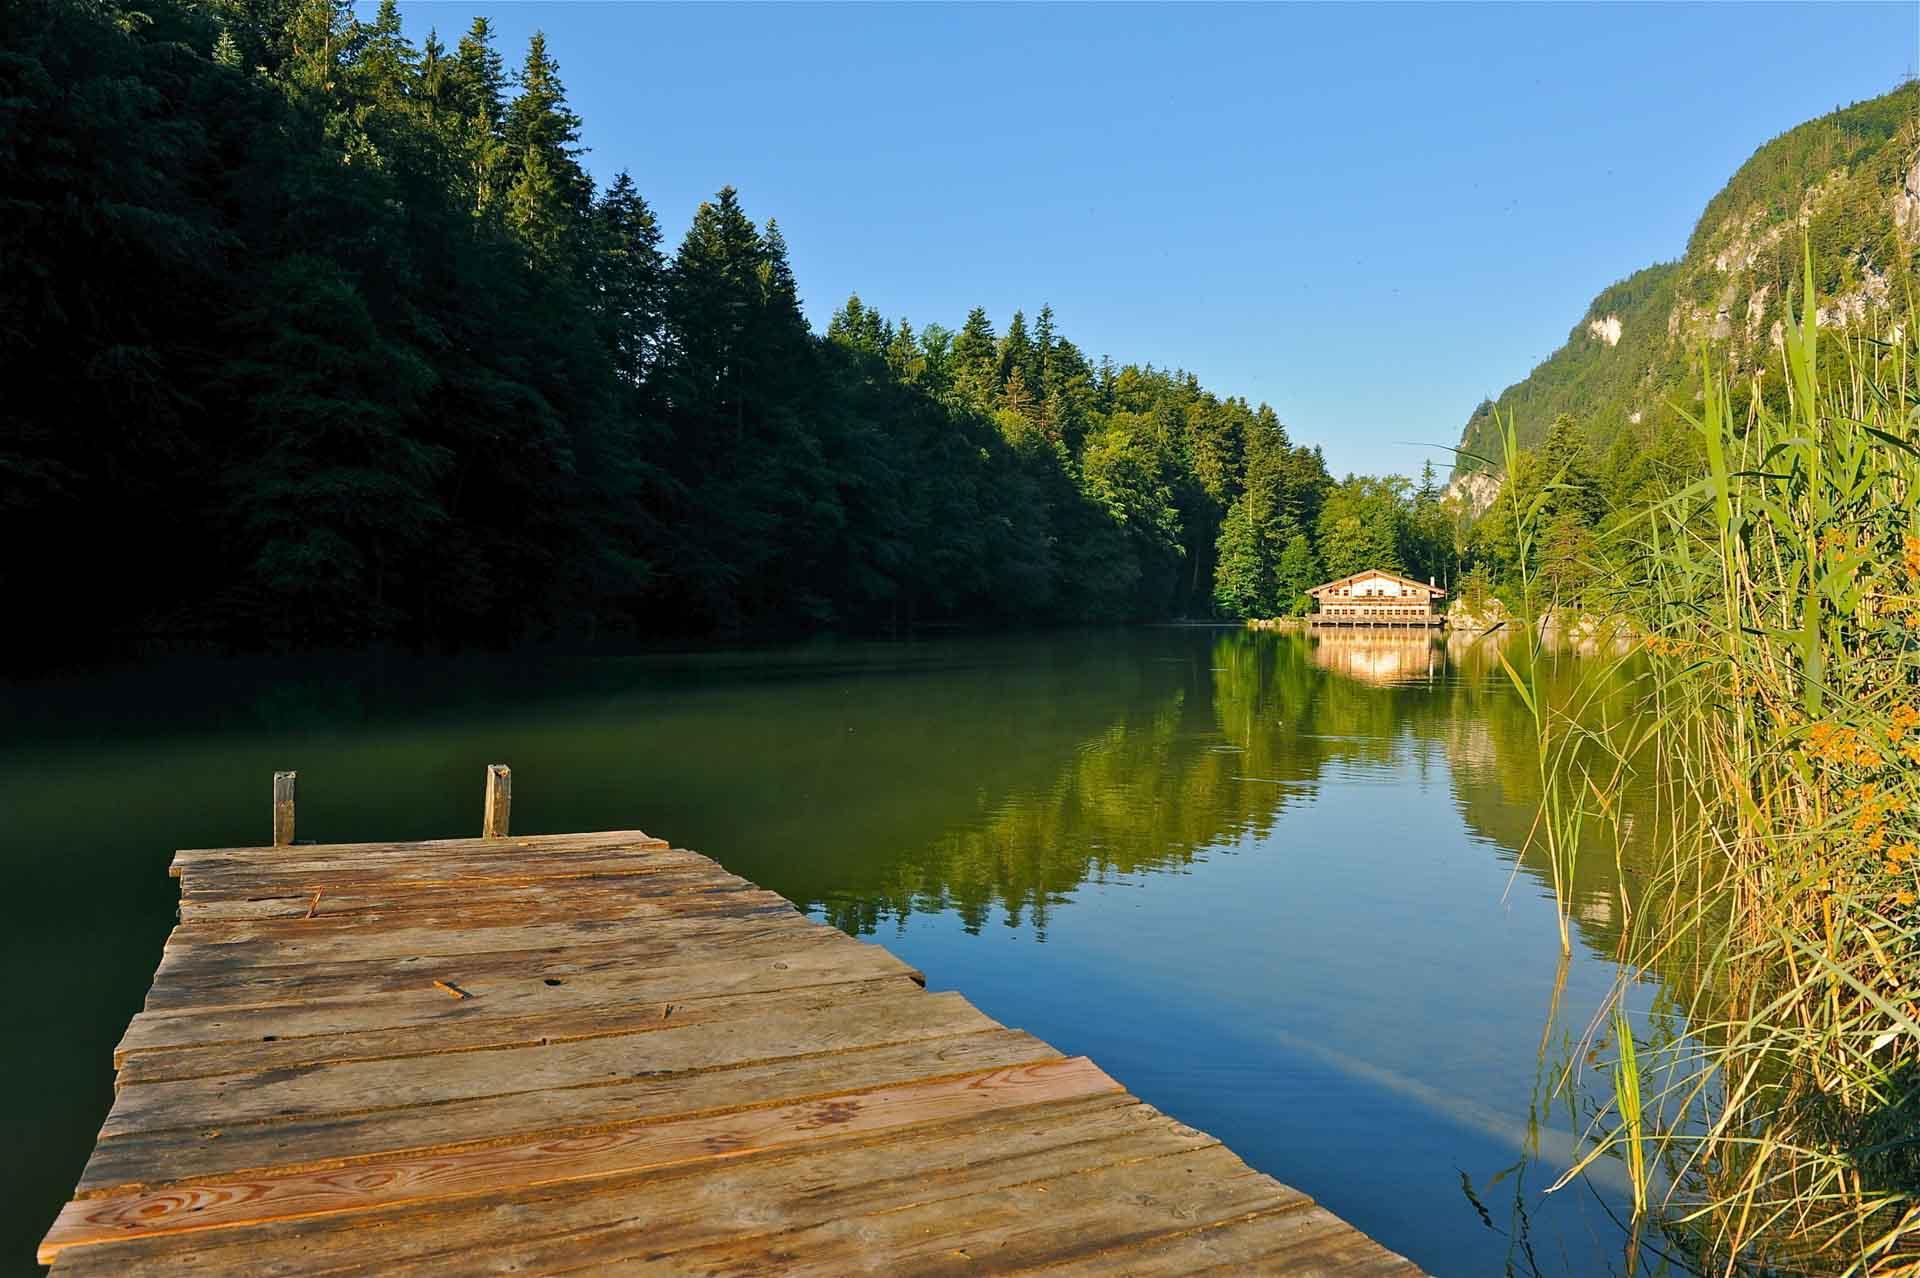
[1844, 188]
[1906, 205]
[1473, 491]
[1465, 619]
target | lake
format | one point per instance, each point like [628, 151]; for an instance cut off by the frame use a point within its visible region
[1269, 881]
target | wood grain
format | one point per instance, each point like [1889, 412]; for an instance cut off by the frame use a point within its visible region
[219, 1204]
[133, 1161]
[596, 1053]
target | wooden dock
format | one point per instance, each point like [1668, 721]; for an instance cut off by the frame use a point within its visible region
[595, 1053]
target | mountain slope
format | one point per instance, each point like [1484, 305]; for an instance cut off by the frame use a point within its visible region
[1847, 183]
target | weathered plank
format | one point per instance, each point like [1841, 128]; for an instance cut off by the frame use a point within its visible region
[150, 1159]
[373, 900]
[994, 1230]
[676, 1207]
[220, 1204]
[289, 942]
[206, 980]
[417, 1001]
[753, 1214]
[486, 1027]
[597, 1053]
[363, 1086]
[1299, 1239]
[485, 866]
[595, 841]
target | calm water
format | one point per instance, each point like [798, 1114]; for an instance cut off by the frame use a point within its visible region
[1267, 881]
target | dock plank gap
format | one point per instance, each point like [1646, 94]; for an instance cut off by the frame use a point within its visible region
[597, 1053]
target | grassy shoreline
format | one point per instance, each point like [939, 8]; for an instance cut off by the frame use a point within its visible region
[1778, 604]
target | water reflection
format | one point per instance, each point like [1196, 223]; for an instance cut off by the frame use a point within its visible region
[1336, 746]
[1275, 881]
[1200, 763]
[1381, 657]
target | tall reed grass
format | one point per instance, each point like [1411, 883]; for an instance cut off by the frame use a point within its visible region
[1777, 604]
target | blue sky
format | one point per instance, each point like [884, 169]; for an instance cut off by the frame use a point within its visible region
[1368, 216]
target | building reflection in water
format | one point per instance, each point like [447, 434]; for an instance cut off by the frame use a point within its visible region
[1380, 656]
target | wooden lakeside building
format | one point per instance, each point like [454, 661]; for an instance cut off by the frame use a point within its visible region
[599, 1054]
[1377, 598]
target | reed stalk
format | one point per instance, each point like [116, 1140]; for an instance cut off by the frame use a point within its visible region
[1777, 602]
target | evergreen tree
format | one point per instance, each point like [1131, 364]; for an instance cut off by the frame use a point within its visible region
[1016, 401]
[973, 363]
[904, 354]
[1243, 581]
[936, 357]
[432, 79]
[629, 279]
[477, 80]
[1016, 350]
[1039, 366]
[548, 192]
[781, 291]
[322, 38]
[1299, 571]
[386, 66]
[476, 85]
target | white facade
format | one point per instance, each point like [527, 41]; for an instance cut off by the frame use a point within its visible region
[1374, 585]
[1373, 597]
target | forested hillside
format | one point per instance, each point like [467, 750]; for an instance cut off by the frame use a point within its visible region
[1845, 186]
[317, 330]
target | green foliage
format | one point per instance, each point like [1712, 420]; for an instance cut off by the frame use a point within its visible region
[1299, 571]
[1776, 604]
[315, 332]
[1625, 387]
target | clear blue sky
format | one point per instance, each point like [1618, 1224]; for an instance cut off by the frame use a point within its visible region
[1368, 216]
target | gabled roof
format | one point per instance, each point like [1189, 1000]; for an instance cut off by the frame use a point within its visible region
[1351, 577]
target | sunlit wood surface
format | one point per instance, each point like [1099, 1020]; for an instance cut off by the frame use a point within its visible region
[595, 1053]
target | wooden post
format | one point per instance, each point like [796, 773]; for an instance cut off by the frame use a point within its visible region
[283, 787]
[493, 824]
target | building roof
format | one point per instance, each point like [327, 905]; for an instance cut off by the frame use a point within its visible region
[1433, 591]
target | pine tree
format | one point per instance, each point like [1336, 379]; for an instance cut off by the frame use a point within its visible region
[714, 287]
[1243, 575]
[433, 81]
[1039, 366]
[386, 67]
[226, 50]
[904, 355]
[629, 279]
[478, 78]
[860, 328]
[781, 291]
[321, 40]
[475, 93]
[1017, 401]
[1299, 571]
[549, 192]
[973, 363]
[1016, 349]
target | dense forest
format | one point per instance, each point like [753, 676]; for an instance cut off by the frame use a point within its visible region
[313, 334]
